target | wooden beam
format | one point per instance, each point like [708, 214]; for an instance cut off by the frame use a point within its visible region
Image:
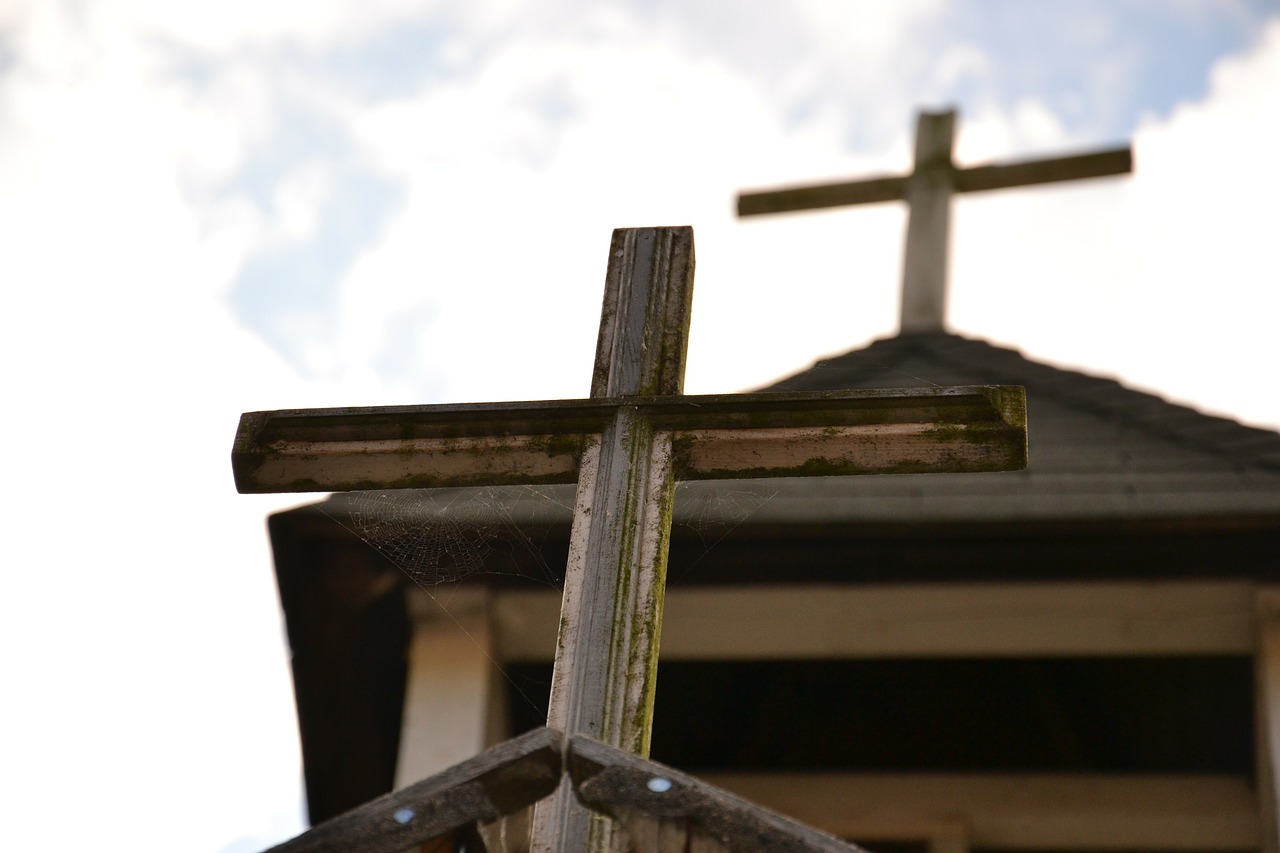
[928, 194]
[991, 176]
[611, 611]
[997, 176]
[815, 196]
[935, 620]
[1016, 811]
[967, 428]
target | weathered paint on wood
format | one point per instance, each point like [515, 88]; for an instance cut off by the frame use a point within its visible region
[927, 191]
[966, 428]
[653, 801]
[497, 782]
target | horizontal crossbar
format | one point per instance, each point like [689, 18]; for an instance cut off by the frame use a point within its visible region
[1099, 164]
[966, 428]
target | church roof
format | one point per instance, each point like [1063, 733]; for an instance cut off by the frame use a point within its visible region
[1121, 484]
[1097, 449]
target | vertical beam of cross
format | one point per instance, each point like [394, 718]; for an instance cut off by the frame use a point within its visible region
[611, 616]
[928, 191]
[928, 195]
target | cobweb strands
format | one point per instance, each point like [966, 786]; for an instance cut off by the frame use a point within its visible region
[441, 536]
[438, 536]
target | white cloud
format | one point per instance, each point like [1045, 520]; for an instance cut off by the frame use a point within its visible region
[1206, 226]
[141, 636]
[141, 639]
[257, 24]
[1162, 278]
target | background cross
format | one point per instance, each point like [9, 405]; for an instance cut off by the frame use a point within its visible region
[625, 447]
[928, 191]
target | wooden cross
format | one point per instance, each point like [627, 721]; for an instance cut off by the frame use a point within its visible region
[625, 447]
[927, 191]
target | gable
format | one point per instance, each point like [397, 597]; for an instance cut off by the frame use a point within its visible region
[1098, 450]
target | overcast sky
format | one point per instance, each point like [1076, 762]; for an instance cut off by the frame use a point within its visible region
[207, 208]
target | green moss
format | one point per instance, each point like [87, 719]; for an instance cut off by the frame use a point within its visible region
[1011, 402]
[567, 444]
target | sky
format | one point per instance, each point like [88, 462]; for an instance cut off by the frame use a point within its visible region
[215, 208]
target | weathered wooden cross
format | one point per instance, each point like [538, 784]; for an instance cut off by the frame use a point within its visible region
[927, 191]
[625, 447]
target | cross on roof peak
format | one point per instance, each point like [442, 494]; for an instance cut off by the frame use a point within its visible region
[934, 179]
[625, 447]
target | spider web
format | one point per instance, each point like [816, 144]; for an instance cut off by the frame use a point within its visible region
[439, 536]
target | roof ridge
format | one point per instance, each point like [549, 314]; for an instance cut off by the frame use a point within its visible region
[1230, 440]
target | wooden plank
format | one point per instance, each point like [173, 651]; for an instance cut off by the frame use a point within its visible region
[1267, 716]
[816, 196]
[841, 451]
[928, 195]
[1017, 811]
[620, 784]
[979, 427]
[992, 176]
[1096, 164]
[611, 613]
[937, 620]
[497, 782]
[644, 322]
